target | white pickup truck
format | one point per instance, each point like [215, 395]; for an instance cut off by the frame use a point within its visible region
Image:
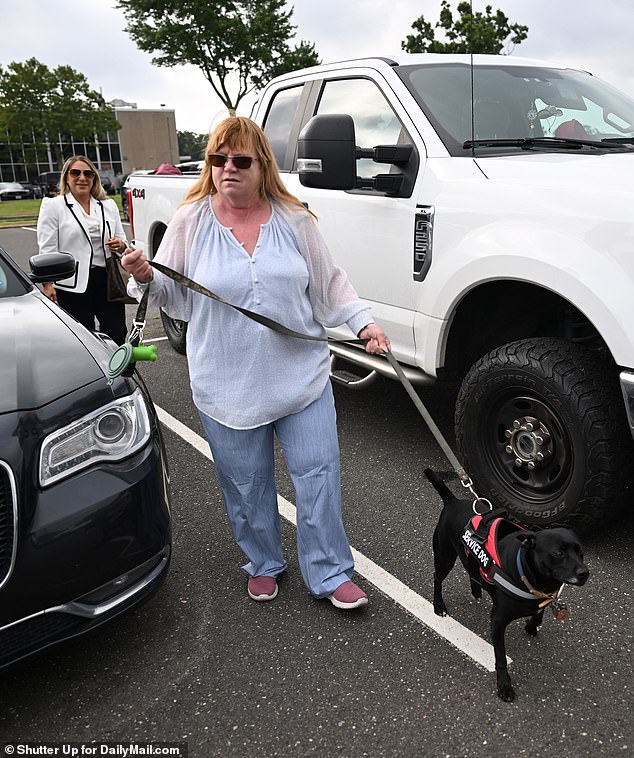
[484, 208]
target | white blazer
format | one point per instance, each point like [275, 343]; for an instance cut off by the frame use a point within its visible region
[61, 228]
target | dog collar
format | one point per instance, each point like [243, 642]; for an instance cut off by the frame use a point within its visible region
[546, 597]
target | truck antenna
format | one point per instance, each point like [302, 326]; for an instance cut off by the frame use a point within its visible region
[472, 83]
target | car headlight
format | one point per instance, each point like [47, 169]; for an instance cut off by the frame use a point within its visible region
[112, 433]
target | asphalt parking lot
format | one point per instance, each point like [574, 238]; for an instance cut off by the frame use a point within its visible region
[202, 664]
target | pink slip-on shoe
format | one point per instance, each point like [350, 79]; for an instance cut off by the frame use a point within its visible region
[262, 588]
[348, 596]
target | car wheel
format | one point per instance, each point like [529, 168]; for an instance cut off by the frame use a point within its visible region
[176, 332]
[540, 425]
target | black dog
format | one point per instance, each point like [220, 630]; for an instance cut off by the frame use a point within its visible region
[546, 559]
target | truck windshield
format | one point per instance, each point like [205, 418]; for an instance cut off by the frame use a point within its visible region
[515, 103]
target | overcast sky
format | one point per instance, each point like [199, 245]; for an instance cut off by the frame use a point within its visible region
[88, 35]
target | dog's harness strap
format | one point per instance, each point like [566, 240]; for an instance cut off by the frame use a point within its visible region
[506, 584]
[484, 522]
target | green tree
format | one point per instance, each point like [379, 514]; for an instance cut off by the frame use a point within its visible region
[192, 144]
[485, 33]
[237, 45]
[38, 103]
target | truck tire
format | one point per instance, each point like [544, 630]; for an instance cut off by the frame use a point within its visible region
[176, 332]
[540, 425]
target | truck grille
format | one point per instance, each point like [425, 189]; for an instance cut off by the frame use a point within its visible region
[7, 521]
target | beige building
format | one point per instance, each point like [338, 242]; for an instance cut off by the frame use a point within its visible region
[147, 137]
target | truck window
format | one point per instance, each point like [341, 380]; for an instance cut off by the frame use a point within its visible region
[279, 122]
[375, 123]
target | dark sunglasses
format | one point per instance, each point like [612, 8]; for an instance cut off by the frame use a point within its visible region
[239, 161]
[88, 173]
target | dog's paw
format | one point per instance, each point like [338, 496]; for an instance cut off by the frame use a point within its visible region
[440, 610]
[506, 693]
[476, 590]
[505, 688]
[531, 629]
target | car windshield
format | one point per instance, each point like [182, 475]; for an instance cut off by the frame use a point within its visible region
[518, 103]
[10, 284]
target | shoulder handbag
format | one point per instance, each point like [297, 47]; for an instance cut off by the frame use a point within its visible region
[116, 276]
[116, 282]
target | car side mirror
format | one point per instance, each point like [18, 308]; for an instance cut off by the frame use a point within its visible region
[51, 267]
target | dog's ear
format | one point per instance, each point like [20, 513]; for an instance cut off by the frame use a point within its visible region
[527, 539]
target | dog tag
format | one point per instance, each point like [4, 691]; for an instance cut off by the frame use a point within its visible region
[560, 612]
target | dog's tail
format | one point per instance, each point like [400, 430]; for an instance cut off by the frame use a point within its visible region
[441, 488]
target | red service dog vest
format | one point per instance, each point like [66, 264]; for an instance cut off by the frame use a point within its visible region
[480, 539]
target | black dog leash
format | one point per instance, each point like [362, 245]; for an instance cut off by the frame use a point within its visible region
[136, 336]
[264, 320]
[458, 468]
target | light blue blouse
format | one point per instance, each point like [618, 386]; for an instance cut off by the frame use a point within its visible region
[242, 373]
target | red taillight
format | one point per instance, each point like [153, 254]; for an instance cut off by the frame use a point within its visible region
[131, 211]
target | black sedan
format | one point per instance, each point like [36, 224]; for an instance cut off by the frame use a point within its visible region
[84, 504]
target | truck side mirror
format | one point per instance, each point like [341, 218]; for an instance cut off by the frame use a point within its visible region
[326, 153]
[327, 158]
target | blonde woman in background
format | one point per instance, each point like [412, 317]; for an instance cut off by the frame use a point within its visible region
[83, 222]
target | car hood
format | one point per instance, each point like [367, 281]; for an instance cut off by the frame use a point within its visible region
[41, 357]
[612, 172]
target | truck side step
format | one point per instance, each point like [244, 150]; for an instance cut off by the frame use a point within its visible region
[351, 380]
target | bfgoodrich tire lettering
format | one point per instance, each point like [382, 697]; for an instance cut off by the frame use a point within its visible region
[540, 425]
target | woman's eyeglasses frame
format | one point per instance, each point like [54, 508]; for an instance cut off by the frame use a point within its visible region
[242, 162]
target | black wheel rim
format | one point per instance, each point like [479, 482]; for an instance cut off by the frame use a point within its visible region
[178, 326]
[526, 446]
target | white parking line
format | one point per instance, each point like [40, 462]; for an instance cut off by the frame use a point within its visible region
[195, 440]
[480, 651]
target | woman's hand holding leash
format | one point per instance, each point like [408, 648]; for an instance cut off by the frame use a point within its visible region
[377, 341]
[135, 262]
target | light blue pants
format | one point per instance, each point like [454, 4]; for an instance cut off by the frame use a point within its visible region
[246, 470]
